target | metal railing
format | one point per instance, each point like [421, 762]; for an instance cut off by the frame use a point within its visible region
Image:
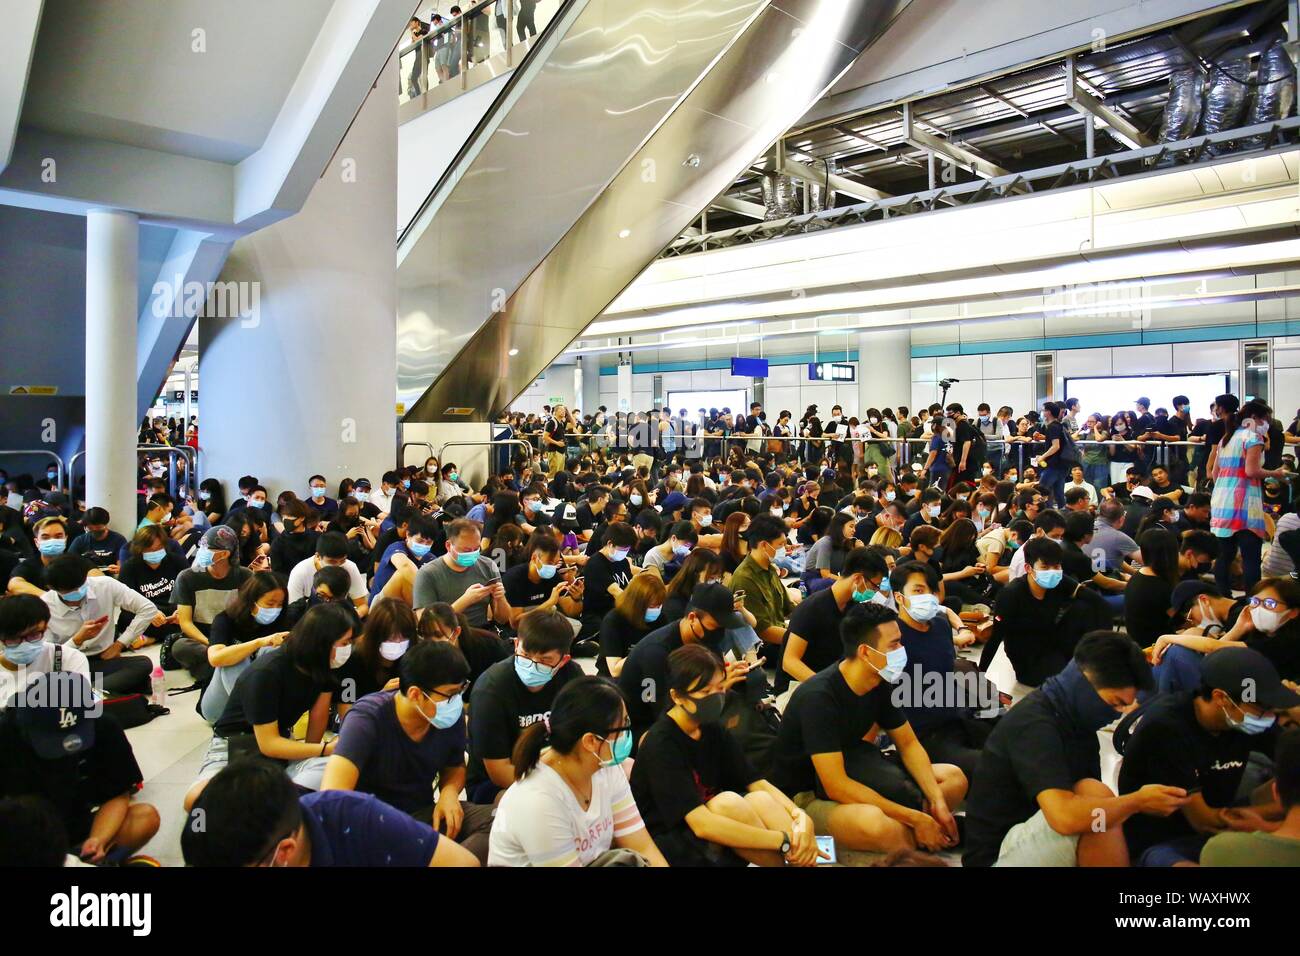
[447, 52]
[172, 451]
[401, 452]
[479, 444]
[42, 451]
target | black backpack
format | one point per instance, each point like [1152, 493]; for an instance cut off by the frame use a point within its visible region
[754, 726]
[1276, 445]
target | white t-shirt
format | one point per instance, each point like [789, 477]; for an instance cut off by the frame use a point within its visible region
[1092, 492]
[1016, 569]
[539, 821]
[74, 662]
[302, 573]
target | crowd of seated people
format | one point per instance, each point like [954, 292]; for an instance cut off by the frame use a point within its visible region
[658, 641]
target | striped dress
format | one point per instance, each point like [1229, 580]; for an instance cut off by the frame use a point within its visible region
[1236, 504]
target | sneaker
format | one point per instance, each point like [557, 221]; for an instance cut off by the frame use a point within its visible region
[585, 649]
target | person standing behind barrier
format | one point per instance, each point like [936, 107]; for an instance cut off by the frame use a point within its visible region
[1059, 455]
[1236, 505]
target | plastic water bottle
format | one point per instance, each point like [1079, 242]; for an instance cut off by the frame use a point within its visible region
[158, 687]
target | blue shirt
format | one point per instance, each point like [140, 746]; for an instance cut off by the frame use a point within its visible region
[930, 659]
[358, 829]
[384, 569]
[940, 464]
[478, 513]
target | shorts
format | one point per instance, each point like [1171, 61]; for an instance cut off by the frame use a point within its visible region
[818, 810]
[308, 773]
[1035, 843]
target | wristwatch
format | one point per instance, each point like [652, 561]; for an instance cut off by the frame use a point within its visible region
[785, 844]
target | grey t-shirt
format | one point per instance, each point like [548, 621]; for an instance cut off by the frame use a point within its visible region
[205, 594]
[436, 582]
[1115, 544]
[822, 557]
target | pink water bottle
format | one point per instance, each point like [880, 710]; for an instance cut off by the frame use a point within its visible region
[158, 687]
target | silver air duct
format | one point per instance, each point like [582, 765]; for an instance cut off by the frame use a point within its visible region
[1275, 94]
[1183, 108]
[1225, 100]
[781, 197]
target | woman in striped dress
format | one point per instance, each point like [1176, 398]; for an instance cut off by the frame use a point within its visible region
[1237, 505]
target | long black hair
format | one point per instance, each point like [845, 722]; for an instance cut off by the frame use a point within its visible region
[310, 643]
[588, 705]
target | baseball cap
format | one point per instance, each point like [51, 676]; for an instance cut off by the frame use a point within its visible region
[56, 714]
[1143, 400]
[1242, 671]
[362, 483]
[717, 601]
[1142, 491]
[1186, 593]
[222, 537]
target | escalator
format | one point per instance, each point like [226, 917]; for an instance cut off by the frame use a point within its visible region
[620, 127]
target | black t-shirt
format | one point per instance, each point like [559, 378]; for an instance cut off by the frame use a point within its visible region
[1028, 628]
[31, 570]
[817, 620]
[644, 678]
[674, 774]
[1169, 746]
[1075, 563]
[1031, 749]
[521, 591]
[154, 583]
[291, 548]
[1055, 432]
[1282, 647]
[1147, 600]
[482, 649]
[929, 652]
[75, 784]
[825, 716]
[583, 515]
[618, 636]
[967, 434]
[271, 690]
[99, 553]
[600, 573]
[504, 708]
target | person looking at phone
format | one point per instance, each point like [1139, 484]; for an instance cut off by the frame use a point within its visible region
[765, 596]
[542, 581]
[1038, 794]
[827, 756]
[464, 577]
[644, 675]
[201, 593]
[701, 799]
[1201, 741]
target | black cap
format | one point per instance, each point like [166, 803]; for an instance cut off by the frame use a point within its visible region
[57, 713]
[1248, 676]
[717, 601]
[1186, 593]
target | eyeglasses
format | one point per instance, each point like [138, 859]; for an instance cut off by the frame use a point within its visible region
[544, 667]
[21, 639]
[1271, 604]
[434, 695]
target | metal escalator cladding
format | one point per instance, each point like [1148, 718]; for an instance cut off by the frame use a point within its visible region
[750, 89]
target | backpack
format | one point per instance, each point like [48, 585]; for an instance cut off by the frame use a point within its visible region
[754, 726]
[1276, 445]
[129, 710]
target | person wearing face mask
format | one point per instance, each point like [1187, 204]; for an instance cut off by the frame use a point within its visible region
[636, 612]
[812, 642]
[607, 572]
[318, 498]
[1279, 845]
[543, 580]
[28, 576]
[643, 678]
[703, 802]
[269, 698]
[298, 542]
[1266, 622]
[253, 815]
[1201, 740]
[410, 553]
[514, 694]
[1236, 506]
[766, 597]
[99, 544]
[253, 619]
[464, 577]
[847, 786]
[84, 609]
[151, 571]
[25, 654]
[1038, 792]
[948, 728]
[376, 654]
[406, 744]
[1029, 617]
[665, 559]
[571, 804]
[200, 594]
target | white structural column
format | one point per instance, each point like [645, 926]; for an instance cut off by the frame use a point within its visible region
[300, 377]
[112, 289]
[884, 369]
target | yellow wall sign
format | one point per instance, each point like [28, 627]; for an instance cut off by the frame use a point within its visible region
[33, 389]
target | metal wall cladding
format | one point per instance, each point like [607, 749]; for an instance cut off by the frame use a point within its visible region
[1225, 99]
[1183, 108]
[1275, 95]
